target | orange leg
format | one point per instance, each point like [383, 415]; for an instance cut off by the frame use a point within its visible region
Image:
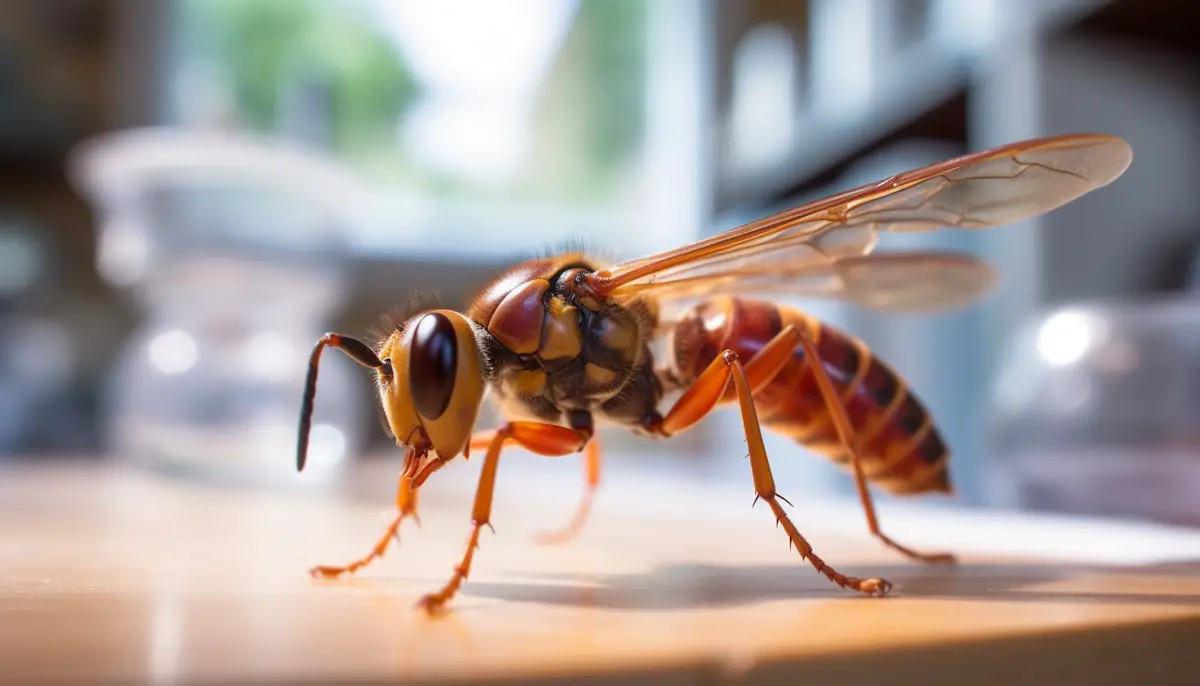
[706, 392]
[406, 503]
[480, 441]
[544, 439]
[712, 386]
[592, 464]
[853, 444]
[592, 467]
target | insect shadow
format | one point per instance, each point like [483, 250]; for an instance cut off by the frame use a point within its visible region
[683, 587]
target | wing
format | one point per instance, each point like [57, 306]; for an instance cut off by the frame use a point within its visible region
[902, 282]
[821, 248]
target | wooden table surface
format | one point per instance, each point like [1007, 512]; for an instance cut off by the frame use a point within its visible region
[122, 577]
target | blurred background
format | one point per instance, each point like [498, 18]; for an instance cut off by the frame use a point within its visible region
[193, 191]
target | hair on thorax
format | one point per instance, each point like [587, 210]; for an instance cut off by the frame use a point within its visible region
[427, 299]
[576, 244]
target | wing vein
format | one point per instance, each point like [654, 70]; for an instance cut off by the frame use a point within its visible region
[825, 248]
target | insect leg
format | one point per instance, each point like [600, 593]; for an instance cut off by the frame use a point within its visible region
[480, 441]
[852, 443]
[592, 464]
[406, 504]
[544, 439]
[699, 400]
[702, 396]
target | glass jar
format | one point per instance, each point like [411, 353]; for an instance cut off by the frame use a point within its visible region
[1096, 411]
[234, 250]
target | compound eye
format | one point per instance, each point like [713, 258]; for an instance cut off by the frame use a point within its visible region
[433, 364]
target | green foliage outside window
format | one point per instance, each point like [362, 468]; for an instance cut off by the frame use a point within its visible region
[588, 116]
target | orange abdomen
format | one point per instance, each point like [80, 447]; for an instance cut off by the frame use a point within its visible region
[903, 452]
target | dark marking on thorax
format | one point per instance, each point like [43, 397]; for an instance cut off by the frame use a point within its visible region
[575, 355]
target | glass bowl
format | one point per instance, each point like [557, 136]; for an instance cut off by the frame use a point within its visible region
[234, 248]
[1096, 410]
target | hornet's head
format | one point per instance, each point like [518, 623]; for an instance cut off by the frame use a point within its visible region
[431, 387]
[431, 374]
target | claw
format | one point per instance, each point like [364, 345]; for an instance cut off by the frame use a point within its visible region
[941, 559]
[876, 586]
[431, 603]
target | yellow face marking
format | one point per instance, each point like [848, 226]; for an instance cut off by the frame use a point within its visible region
[397, 403]
[450, 432]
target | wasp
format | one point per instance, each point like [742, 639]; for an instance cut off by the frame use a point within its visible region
[564, 343]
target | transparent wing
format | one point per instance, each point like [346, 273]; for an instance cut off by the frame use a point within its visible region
[905, 282]
[792, 250]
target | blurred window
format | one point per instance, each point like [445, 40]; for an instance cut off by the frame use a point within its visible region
[493, 127]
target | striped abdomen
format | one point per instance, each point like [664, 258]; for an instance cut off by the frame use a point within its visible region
[903, 452]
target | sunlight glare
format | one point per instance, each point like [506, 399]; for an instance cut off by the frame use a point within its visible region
[174, 351]
[1066, 337]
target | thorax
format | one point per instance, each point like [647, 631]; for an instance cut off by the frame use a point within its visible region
[557, 352]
